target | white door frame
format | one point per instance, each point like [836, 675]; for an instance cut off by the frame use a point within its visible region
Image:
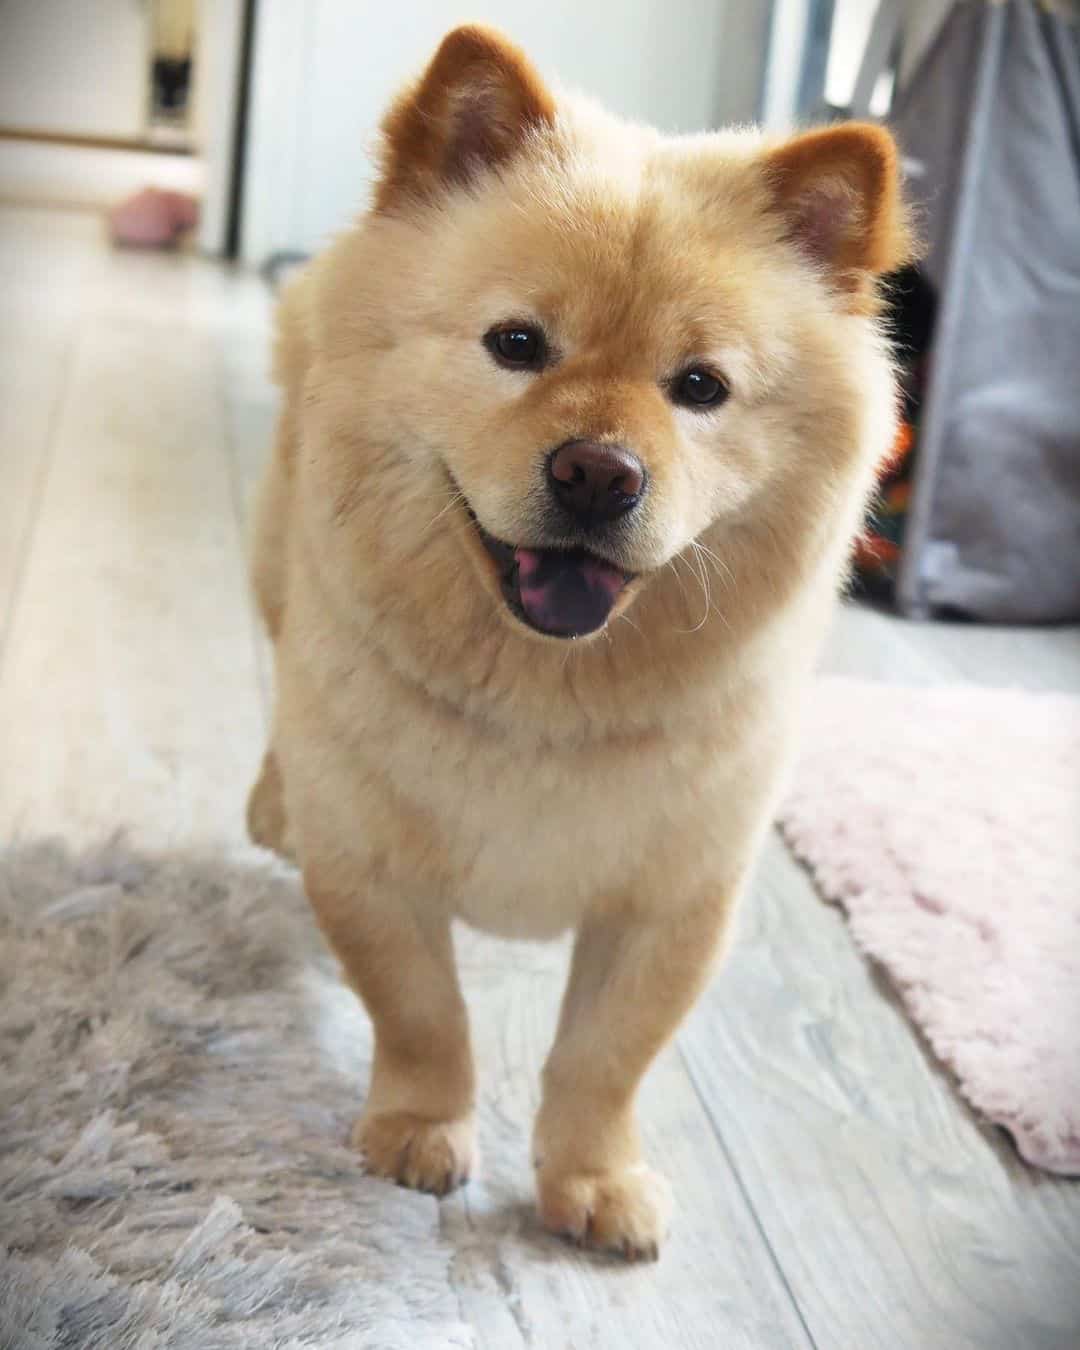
[280, 79]
[218, 80]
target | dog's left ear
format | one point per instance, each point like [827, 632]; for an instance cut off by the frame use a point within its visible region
[473, 108]
[838, 190]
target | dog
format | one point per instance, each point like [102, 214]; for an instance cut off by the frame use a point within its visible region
[579, 425]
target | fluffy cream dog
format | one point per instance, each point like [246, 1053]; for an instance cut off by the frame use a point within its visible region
[579, 424]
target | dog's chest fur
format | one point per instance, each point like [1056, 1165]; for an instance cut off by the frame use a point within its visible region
[518, 835]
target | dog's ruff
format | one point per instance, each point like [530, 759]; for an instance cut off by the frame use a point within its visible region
[503, 693]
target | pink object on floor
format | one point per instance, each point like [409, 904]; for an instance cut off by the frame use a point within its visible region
[946, 822]
[153, 218]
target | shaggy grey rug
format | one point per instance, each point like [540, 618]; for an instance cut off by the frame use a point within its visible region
[179, 1066]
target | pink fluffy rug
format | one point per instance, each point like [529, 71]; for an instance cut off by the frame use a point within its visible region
[946, 822]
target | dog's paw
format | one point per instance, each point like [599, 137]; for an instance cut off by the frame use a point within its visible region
[435, 1156]
[624, 1211]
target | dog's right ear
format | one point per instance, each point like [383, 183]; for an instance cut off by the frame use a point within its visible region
[476, 103]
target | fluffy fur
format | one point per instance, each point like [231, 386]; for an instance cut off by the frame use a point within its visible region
[431, 756]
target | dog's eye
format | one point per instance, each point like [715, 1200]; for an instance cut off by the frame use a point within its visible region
[517, 345]
[699, 388]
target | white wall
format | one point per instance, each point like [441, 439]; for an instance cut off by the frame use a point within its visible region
[74, 66]
[745, 31]
[787, 42]
[325, 69]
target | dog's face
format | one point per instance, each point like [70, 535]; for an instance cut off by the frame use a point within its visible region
[607, 345]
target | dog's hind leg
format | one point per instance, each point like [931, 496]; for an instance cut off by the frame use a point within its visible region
[267, 821]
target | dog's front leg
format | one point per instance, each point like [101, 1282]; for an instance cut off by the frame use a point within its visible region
[417, 1126]
[632, 980]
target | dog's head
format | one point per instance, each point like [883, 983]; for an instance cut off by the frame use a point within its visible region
[607, 346]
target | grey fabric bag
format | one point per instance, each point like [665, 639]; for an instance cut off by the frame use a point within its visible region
[992, 113]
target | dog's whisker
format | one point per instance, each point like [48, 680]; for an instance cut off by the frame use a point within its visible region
[705, 554]
[678, 576]
[723, 572]
[457, 497]
[673, 564]
[703, 580]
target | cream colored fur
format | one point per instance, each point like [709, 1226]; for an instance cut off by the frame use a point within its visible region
[432, 758]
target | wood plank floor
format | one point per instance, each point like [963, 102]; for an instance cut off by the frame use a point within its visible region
[832, 1190]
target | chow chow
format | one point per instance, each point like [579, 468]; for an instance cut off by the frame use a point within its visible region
[579, 423]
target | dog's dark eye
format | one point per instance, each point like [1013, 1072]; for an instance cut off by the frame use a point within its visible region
[517, 345]
[698, 388]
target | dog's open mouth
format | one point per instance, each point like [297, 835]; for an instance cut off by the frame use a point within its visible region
[565, 593]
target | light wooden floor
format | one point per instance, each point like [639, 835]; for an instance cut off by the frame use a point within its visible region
[832, 1190]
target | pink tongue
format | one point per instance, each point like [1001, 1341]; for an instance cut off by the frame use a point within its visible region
[566, 593]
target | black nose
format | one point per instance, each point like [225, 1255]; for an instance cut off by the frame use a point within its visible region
[595, 482]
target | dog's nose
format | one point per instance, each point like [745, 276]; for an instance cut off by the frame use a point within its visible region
[595, 482]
